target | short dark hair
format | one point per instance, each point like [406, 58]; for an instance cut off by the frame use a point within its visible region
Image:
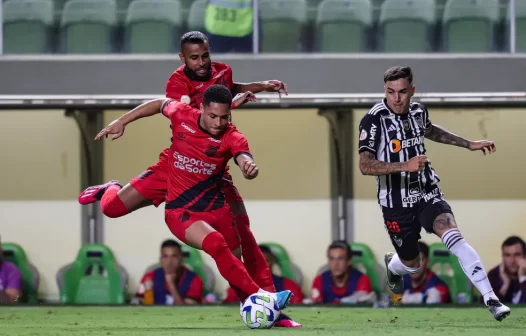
[512, 240]
[217, 94]
[341, 244]
[398, 72]
[424, 248]
[193, 37]
[266, 249]
[170, 243]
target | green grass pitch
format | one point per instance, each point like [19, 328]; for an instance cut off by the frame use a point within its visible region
[217, 320]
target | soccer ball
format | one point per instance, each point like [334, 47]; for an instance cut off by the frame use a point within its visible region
[259, 311]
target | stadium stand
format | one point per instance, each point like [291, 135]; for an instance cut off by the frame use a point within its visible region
[414, 18]
[88, 26]
[152, 26]
[27, 26]
[283, 23]
[125, 26]
[470, 25]
[352, 18]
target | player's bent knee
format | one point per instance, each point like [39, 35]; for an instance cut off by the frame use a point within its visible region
[214, 243]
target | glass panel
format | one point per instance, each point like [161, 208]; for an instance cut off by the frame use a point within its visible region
[285, 26]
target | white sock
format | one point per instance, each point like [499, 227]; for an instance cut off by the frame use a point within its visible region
[398, 268]
[470, 262]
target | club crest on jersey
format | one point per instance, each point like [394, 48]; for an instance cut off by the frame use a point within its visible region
[419, 120]
[363, 135]
[212, 150]
[406, 124]
[396, 145]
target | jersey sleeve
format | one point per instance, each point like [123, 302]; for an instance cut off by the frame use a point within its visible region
[297, 295]
[196, 290]
[238, 145]
[316, 293]
[229, 79]
[364, 284]
[172, 109]
[177, 88]
[369, 133]
[427, 120]
[14, 280]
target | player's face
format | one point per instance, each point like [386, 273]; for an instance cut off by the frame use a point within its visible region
[171, 259]
[398, 94]
[510, 257]
[422, 271]
[196, 57]
[215, 117]
[338, 262]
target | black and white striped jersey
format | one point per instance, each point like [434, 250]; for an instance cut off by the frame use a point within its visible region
[392, 137]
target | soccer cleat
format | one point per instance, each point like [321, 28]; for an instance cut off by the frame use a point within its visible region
[395, 283]
[499, 311]
[282, 298]
[94, 193]
[284, 321]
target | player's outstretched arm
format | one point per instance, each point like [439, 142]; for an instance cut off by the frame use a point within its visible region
[248, 167]
[439, 134]
[266, 86]
[117, 126]
[370, 166]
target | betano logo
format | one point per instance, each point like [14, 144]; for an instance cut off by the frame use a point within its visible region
[192, 165]
[396, 145]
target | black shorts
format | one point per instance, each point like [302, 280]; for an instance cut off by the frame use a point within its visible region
[404, 224]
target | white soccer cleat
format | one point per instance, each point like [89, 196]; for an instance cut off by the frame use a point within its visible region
[499, 311]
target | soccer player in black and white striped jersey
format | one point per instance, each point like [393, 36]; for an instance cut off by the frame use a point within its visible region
[392, 148]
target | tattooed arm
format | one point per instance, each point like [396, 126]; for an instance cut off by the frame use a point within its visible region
[440, 134]
[370, 166]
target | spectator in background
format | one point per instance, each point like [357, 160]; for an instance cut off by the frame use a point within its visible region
[424, 286]
[10, 281]
[229, 25]
[172, 283]
[281, 283]
[342, 283]
[509, 278]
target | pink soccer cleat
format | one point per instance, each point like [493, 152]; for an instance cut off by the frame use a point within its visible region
[284, 321]
[94, 193]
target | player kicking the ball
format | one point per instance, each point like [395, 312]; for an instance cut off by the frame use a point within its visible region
[196, 211]
[392, 148]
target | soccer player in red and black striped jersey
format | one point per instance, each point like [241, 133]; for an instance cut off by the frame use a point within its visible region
[196, 211]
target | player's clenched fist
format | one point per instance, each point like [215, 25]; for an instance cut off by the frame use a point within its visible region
[249, 169]
[416, 163]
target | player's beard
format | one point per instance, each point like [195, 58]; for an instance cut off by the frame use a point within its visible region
[195, 77]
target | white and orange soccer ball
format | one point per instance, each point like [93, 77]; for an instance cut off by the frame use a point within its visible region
[259, 311]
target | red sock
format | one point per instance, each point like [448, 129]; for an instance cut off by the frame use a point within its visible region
[253, 258]
[110, 203]
[231, 268]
